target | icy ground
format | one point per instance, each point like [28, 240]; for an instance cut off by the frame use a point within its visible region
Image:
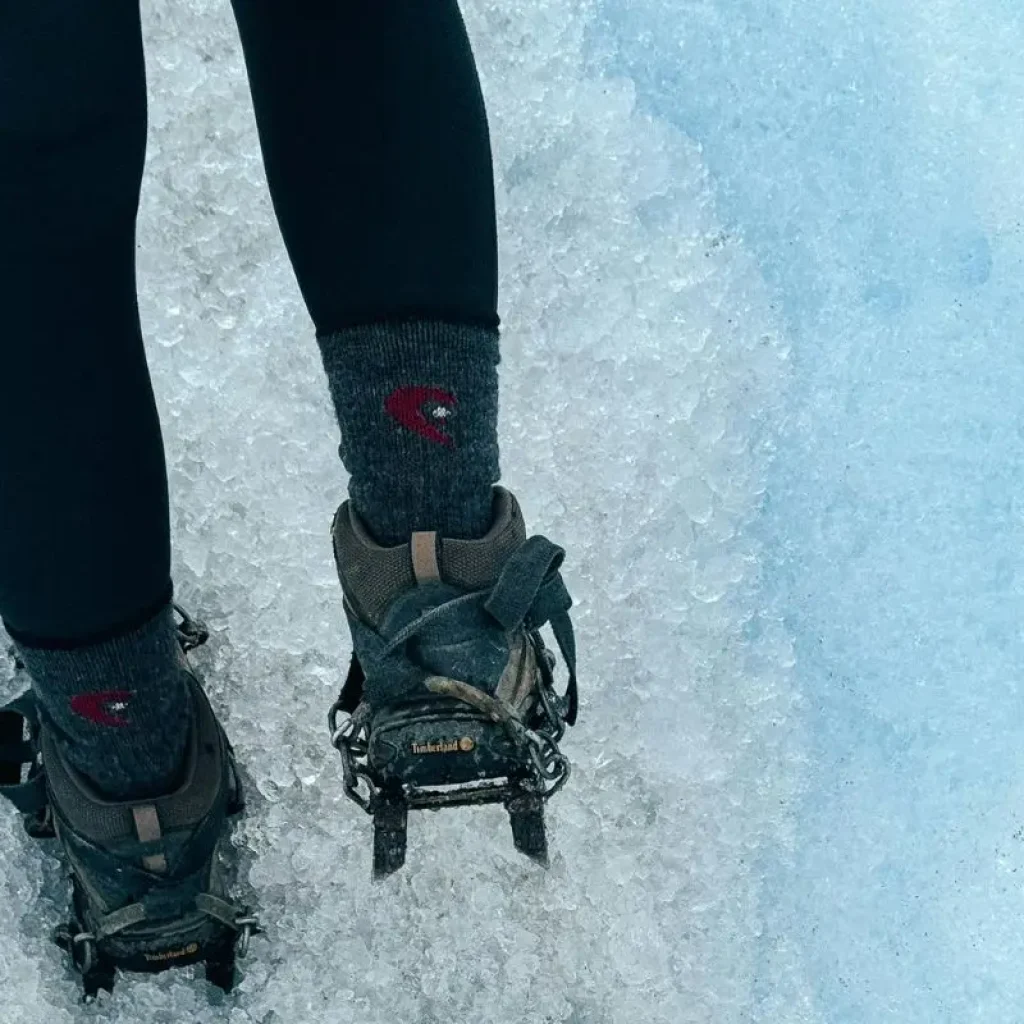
[762, 377]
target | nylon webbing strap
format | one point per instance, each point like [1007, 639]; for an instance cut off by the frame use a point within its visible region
[530, 589]
[424, 557]
[497, 710]
[117, 921]
[529, 592]
[147, 827]
[521, 579]
[218, 909]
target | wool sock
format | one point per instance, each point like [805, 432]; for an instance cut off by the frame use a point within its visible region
[417, 403]
[118, 709]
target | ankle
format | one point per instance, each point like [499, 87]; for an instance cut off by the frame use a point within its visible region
[117, 709]
[417, 404]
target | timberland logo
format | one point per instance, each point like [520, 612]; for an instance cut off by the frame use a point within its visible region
[173, 954]
[460, 746]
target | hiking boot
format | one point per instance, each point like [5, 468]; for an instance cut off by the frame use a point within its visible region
[149, 890]
[450, 696]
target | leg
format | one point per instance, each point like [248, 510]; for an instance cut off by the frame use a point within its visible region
[84, 546]
[84, 537]
[377, 151]
[376, 146]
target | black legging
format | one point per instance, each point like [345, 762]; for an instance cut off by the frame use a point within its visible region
[376, 147]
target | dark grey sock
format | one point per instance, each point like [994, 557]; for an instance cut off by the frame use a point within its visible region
[119, 709]
[417, 403]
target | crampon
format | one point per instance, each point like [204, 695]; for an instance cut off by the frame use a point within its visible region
[458, 748]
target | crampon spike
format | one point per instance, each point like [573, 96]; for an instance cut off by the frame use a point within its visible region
[526, 815]
[220, 965]
[100, 977]
[390, 822]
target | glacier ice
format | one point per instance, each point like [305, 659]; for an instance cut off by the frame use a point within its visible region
[761, 378]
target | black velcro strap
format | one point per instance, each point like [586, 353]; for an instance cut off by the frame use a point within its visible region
[562, 628]
[513, 595]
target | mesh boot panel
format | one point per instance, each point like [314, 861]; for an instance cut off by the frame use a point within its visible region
[372, 577]
[475, 564]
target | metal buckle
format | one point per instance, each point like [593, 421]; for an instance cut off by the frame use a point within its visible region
[351, 740]
[80, 946]
[247, 927]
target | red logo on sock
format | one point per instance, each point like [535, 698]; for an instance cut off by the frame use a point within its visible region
[103, 708]
[423, 411]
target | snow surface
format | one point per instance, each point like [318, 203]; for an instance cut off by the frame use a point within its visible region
[761, 377]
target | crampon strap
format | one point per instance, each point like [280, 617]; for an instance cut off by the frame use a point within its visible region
[529, 592]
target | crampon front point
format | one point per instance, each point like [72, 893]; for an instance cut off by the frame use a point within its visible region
[457, 747]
